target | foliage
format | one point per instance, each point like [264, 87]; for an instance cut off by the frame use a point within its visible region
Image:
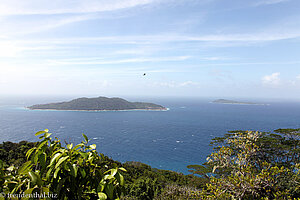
[145, 188]
[14, 153]
[141, 177]
[249, 166]
[71, 172]
[172, 192]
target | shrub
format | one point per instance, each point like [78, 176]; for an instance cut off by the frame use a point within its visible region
[71, 172]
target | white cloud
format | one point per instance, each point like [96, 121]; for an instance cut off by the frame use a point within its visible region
[189, 83]
[269, 2]
[266, 36]
[272, 80]
[45, 7]
[173, 84]
[97, 61]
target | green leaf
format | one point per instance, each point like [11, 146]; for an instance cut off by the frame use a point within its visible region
[33, 177]
[113, 172]
[36, 158]
[39, 133]
[85, 137]
[109, 189]
[78, 145]
[120, 178]
[49, 173]
[56, 156]
[42, 159]
[75, 169]
[26, 167]
[56, 172]
[29, 152]
[102, 196]
[123, 169]
[61, 160]
[47, 135]
[69, 146]
[42, 144]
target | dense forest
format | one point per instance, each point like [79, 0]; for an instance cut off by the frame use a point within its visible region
[243, 165]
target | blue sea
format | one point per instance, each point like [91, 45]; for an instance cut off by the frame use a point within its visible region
[168, 140]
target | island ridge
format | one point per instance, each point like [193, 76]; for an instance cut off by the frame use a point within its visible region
[97, 104]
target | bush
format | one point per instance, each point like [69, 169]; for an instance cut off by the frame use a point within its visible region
[71, 172]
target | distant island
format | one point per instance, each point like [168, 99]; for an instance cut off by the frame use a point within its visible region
[98, 104]
[225, 101]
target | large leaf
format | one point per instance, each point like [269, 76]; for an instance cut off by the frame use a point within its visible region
[102, 196]
[120, 178]
[26, 167]
[39, 133]
[56, 156]
[123, 169]
[49, 173]
[34, 177]
[73, 169]
[56, 172]
[29, 152]
[42, 159]
[42, 144]
[85, 137]
[60, 161]
[109, 189]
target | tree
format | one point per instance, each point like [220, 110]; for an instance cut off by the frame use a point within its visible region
[254, 165]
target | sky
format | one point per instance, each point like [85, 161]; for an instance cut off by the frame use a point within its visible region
[200, 48]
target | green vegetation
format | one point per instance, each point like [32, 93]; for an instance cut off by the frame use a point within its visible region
[100, 103]
[244, 165]
[253, 165]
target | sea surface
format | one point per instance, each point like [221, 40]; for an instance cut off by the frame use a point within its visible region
[168, 140]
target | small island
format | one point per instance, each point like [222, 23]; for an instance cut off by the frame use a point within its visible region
[225, 101]
[97, 104]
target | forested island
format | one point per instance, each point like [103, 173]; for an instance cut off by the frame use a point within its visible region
[226, 101]
[97, 104]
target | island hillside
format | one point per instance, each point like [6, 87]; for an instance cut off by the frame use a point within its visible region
[225, 101]
[98, 104]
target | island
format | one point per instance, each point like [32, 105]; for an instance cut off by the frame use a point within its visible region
[225, 101]
[97, 104]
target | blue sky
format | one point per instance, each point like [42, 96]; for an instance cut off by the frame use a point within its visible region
[206, 48]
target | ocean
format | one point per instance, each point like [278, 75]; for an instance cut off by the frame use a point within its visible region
[168, 140]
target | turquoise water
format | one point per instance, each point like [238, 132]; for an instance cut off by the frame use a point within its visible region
[169, 139]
